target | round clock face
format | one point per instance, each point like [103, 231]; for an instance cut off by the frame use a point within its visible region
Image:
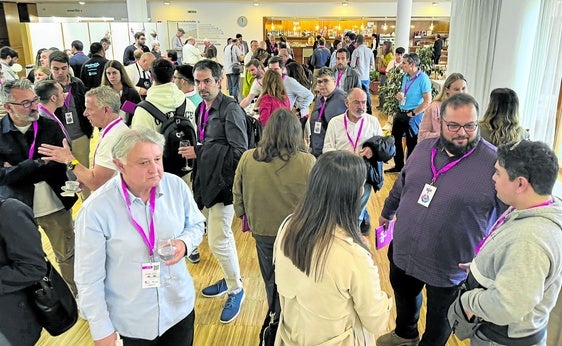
[242, 21]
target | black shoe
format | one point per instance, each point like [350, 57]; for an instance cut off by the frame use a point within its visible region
[365, 226]
[393, 170]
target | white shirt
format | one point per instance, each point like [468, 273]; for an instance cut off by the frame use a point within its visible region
[337, 137]
[191, 54]
[103, 155]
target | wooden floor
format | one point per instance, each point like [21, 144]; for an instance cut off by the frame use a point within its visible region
[244, 330]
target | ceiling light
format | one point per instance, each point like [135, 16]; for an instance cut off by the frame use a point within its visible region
[344, 4]
[166, 3]
[256, 4]
[434, 3]
[81, 2]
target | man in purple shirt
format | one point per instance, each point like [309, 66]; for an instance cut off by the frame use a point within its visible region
[444, 202]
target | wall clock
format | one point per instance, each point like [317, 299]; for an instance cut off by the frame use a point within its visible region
[242, 21]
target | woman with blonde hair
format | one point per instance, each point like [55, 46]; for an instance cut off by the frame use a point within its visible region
[115, 76]
[500, 124]
[40, 73]
[273, 96]
[328, 284]
[430, 126]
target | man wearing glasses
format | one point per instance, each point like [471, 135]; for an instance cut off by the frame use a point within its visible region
[26, 177]
[331, 102]
[444, 202]
[414, 98]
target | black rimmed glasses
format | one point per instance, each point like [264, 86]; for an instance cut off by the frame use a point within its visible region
[454, 127]
[26, 103]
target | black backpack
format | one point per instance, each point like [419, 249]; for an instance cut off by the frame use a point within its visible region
[253, 126]
[175, 128]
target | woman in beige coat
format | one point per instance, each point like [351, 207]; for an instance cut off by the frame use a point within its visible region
[328, 284]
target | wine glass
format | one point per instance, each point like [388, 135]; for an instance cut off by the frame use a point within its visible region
[185, 143]
[166, 251]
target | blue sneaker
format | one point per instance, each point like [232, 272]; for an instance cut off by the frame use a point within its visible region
[232, 307]
[215, 290]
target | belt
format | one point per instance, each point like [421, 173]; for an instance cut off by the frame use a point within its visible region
[406, 111]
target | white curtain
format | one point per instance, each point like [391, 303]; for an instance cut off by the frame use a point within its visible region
[540, 105]
[472, 40]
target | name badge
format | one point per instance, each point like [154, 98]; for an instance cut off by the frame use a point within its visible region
[317, 127]
[427, 195]
[68, 118]
[150, 275]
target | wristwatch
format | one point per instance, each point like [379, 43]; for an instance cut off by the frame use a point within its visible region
[72, 164]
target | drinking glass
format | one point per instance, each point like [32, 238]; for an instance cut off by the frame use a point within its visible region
[185, 143]
[166, 251]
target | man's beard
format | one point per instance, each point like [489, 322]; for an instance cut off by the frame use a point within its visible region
[459, 150]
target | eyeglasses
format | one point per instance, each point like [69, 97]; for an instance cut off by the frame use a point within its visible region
[454, 127]
[322, 81]
[26, 103]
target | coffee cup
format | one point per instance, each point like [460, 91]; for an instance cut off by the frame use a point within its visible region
[72, 186]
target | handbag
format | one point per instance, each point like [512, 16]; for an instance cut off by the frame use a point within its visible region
[270, 324]
[237, 67]
[53, 302]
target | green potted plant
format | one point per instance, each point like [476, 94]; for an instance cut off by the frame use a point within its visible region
[374, 82]
[390, 89]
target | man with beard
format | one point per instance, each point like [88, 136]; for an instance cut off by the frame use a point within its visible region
[444, 202]
[8, 57]
[346, 77]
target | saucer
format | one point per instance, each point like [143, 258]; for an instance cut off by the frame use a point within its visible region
[70, 191]
[67, 194]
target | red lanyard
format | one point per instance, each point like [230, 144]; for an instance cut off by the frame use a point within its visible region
[437, 173]
[353, 144]
[203, 118]
[408, 85]
[52, 116]
[338, 79]
[32, 147]
[149, 241]
[502, 219]
[104, 132]
[322, 108]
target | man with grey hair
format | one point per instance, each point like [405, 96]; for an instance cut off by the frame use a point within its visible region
[102, 110]
[190, 52]
[28, 178]
[132, 236]
[177, 44]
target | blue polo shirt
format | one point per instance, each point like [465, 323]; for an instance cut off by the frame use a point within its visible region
[414, 88]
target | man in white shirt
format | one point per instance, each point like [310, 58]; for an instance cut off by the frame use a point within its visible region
[233, 56]
[257, 70]
[139, 73]
[102, 110]
[363, 61]
[349, 131]
[191, 54]
[177, 44]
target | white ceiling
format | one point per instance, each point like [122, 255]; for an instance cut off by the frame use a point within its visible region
[249, 1]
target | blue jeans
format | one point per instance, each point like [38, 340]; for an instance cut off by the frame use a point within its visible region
[408, 297]
[233, 81]
[364, 200]
[365, 85]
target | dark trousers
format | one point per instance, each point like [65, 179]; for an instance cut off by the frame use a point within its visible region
[401, 127]
[180, 334]
[264, 247]
[408, 297]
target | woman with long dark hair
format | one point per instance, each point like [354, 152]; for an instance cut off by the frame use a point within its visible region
[269, 182]
[500, 124]
[115, 76]
[328, 284]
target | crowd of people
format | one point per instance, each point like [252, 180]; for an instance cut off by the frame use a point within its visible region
[475, 222]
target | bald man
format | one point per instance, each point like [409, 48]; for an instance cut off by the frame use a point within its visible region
[139, 72]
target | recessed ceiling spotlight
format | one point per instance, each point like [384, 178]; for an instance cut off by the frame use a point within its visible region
[256, 4]
[344, 4]
[166, 3]
[82, 2]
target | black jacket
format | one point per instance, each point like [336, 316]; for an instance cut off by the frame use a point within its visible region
[22, 263]
[78, 91]
[17, 181]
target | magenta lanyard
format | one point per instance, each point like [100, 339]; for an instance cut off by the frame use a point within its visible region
[149, 241]
[408, 85]
[203, 118]
[502, 219]
[322, 108]
[437, 173]
[104, 132]
[32, 148]
[53, 117]
[353, 143]
[338, 79]
[68, 98]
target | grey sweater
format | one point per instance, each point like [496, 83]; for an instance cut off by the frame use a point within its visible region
[520, 266]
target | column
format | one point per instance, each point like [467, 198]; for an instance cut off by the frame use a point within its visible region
[137, 11]
[403, 20]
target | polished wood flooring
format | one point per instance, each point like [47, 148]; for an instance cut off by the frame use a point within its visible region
[244, 330]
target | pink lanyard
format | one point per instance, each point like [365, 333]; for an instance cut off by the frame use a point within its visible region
[68, 98]
[322, 108]
[437, 173]
[353, 144]
[203, 118]
[104, 132]
[338, 79]
[408, 85]
[32, 148]
[149, 241]
[502, 219]
[53, 117]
